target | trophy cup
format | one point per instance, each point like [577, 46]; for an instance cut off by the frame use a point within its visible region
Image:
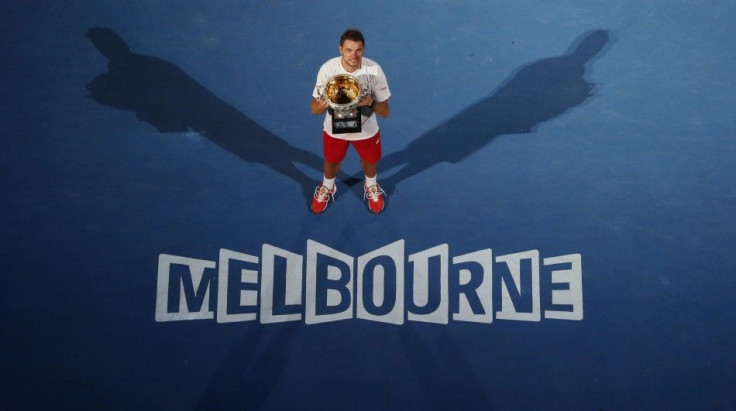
[342, 93]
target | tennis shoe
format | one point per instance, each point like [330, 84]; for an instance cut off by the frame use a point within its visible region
[374, 195]
[322, 196]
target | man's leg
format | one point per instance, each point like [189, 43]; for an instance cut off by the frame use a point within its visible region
[370, 155]
[371, 173]
[369, 169]
[331, 170]
[334, 151]
[328, 180]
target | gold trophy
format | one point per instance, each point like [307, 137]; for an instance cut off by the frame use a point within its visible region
[342, 93]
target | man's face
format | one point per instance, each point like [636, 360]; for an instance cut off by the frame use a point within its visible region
[352, 54]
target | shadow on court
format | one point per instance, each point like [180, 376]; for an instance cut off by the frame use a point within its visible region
[534, 93]
[163, 95]
[250, 370]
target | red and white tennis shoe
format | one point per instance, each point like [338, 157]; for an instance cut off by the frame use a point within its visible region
[374, 194]
[322, 196]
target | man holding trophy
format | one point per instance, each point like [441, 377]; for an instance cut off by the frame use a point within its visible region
[352, 90]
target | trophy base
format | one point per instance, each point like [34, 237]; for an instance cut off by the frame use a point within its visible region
[342, 124]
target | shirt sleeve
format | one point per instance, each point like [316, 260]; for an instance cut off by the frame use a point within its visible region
[321, 81]
[381, 91]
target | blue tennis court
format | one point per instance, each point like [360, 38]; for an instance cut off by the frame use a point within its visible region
[559, 231]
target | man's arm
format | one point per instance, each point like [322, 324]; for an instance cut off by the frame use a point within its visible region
[379, 108]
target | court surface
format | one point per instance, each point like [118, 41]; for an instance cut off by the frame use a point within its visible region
[559, 231]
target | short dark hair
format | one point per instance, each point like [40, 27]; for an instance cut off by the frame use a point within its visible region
[352, 35]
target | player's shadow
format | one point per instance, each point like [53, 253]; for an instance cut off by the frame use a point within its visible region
[162, 94]
[251, 369]
[534, 93]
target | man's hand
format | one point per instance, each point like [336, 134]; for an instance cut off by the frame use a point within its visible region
[366, 101]
[319, 106]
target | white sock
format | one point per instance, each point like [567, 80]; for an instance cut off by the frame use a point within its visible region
[328, 182]
[371, 181]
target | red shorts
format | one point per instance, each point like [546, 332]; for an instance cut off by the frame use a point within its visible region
[335, 149]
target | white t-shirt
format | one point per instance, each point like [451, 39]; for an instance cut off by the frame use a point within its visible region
[371, 76]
